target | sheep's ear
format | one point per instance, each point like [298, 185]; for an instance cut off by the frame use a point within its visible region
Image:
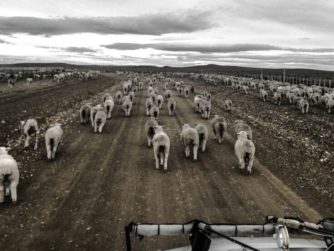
[21, 122]
[8, 149]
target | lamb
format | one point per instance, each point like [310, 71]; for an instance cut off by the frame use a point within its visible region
[171, 107]
[127, 105]
[205, 108]
[277, 98]
[330, 105]
[149, 129]
[197, 102]
[93, 112]
[303, 105]
[263, 95]
[245, 89]
[160, 101]
[53, 137]
[29, 81]
[119, 96]
[161, 147]
[219, 127]
[105, 96]
[148, 105]
[245, 151]
[189, 137]
[228, 105]
[28, 128]
[202, 131]
[109, 105]
[9, 175]
[100, 120]
[240, 125]
[154, 112]
[85, 113]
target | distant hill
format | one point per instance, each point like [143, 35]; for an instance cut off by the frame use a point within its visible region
[211, 68]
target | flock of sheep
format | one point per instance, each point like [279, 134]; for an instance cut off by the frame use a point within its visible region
[193, 138]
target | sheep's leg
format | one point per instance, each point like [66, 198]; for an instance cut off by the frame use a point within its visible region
[250, 165]
[195, 150]
[13, 192]
[156, 156]
[241, 163]
[187, 151]
[149, 142]
[203, 145]
[166, 159]
[48, 151]
[27, 139]
[95, 127]
[161, 158]
[54, 150]
[214, 133]
[2, 191]
[36, 141]
[220, 139]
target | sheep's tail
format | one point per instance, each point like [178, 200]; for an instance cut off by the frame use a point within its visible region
[151, 132]
[221, 130]
[247, 158]
[52, 143]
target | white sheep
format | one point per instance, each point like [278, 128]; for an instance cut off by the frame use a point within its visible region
[202, 131]
[245, 151]
[105, 96]
[160, 100]
[9, 175]
[197, 102]
[245, 89]
[219, 127]
[109, 105]
[29, 81]
[100, 120]
[171, 105]
[154, 112]
[189, 137]
[132, 96]
[127, 105]
[150, 124]
[186, 92]
[205, 108]
[277, 98]
[240, 125]
[330, 105]
[228, 105]
[53, 137]
[140, 85]
[93, 112]
[148, 104]
[303, 105]
[161, 147]
[168, 95]
[263, 95]
[30, 127]
[85, 113]
[119, 96]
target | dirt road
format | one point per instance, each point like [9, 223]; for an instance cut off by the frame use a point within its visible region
[100, 182]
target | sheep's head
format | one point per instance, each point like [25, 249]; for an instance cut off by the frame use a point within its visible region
[158, 128]
[242, 135]
[4, 150]
[185, 126]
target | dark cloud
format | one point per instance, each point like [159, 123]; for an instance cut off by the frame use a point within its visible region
[3, 41]
[210, 48]
[153, 24]
[79, 49]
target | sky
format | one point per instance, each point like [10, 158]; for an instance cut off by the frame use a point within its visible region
[261, 33]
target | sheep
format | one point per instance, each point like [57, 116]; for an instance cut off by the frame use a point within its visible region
[192, 89]
[330, 105]
[154, 112]
[219, 127]
[148, 105]
[127, 105]
[202, 131]
[186, 92]
[119, 96]
[197, 102]
[150, 124]
[150, 91]
[161, 147]
[9, 175]
[277, 98]
[109, 105]
[132, 96]
[303, 105]
[93, 112]
[228, 105]
[53, 137]
[245, 89]
[245, 151]
[153, 96]
[263, 95]
[171, 107]
[100, 120]
[168, 95]
[85, 113]
[189, 137]
[205, 108]
[125, 88]
[160, 101]
[240, 125]
[29, 81]
[105, 96]
[140, 85]
[28, 128]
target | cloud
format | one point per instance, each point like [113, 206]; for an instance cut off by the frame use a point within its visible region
[150, 24]
[210, 48]
[3, 41]
[78, 49]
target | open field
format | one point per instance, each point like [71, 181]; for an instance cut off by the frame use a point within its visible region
[100, 182]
